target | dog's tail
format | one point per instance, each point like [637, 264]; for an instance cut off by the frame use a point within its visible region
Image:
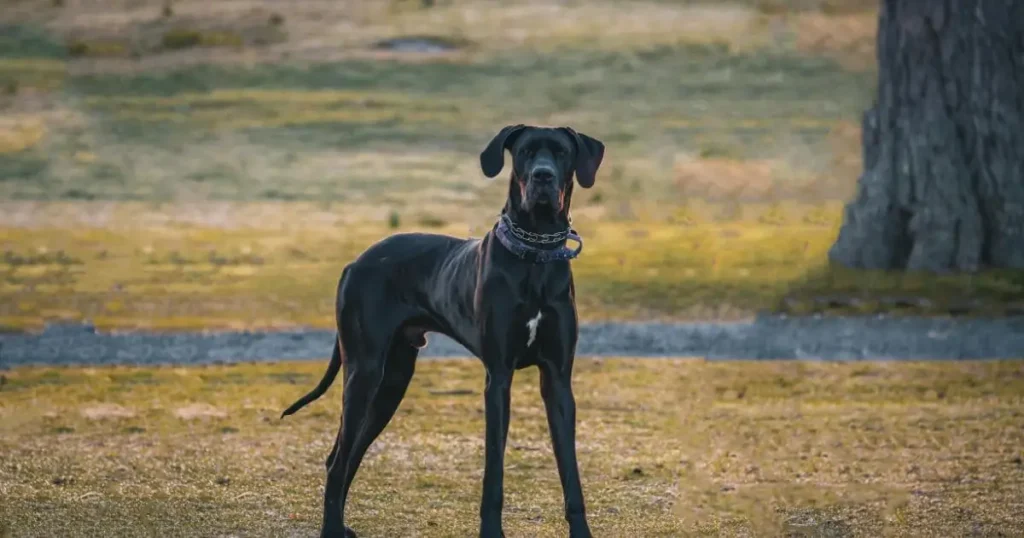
[325, 382]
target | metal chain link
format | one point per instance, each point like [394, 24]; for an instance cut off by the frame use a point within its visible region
[543, 239]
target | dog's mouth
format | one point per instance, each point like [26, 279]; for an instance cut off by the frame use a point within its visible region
[544, 199]
[546, 195]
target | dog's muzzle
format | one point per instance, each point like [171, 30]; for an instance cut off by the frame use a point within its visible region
[542, 188]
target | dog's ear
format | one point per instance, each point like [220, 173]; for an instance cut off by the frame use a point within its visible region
[589, 154]
[492, 159]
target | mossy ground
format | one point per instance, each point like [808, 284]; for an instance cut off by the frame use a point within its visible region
[667, 447]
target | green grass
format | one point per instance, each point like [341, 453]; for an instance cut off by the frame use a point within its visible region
[29, 41]
[666, 448]
[669, 82]
[233, 132]
[731, 130]
[277, 265]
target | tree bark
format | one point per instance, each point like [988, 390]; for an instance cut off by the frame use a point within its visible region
[943, 147]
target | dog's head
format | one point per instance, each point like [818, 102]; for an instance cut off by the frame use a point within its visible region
[544, 160]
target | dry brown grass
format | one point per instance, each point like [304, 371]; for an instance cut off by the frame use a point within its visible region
[718, 178]
[666, 447]
[329, 31]
[20, 132]
[844, 139]
[849, 38]
[243, 116]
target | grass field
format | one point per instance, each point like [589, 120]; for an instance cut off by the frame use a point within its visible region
[666, 448]
[215, 164]
[220, 267]
[203, 165]
[681, 92]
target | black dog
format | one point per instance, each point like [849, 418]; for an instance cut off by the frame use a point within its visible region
[508, 298]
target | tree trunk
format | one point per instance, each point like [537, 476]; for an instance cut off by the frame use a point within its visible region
[943, 181]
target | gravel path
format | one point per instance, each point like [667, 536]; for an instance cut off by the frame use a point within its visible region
[770, 337]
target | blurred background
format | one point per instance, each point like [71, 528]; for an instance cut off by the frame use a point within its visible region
[215, 164]
[206, 165]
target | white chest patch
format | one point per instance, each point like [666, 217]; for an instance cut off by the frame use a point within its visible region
[532, 325]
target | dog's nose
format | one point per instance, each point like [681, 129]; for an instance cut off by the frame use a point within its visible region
[543, 175]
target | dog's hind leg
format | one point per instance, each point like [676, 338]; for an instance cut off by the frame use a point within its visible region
[360, 383]
[371, 398]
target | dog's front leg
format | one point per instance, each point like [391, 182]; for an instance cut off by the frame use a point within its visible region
[497, 402]
[560, 405]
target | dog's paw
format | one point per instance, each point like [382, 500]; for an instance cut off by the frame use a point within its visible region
[346, 533]
[580, 530]
[491, 531]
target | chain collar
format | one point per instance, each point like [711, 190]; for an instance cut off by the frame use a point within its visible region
[525, 245]
[537, 239]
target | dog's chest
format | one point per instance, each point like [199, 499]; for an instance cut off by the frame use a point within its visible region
[531, 328]
[537, 334]
[530, 318]
[531, 336]
[542, 294]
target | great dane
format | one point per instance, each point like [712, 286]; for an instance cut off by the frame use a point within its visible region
[507, 297]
